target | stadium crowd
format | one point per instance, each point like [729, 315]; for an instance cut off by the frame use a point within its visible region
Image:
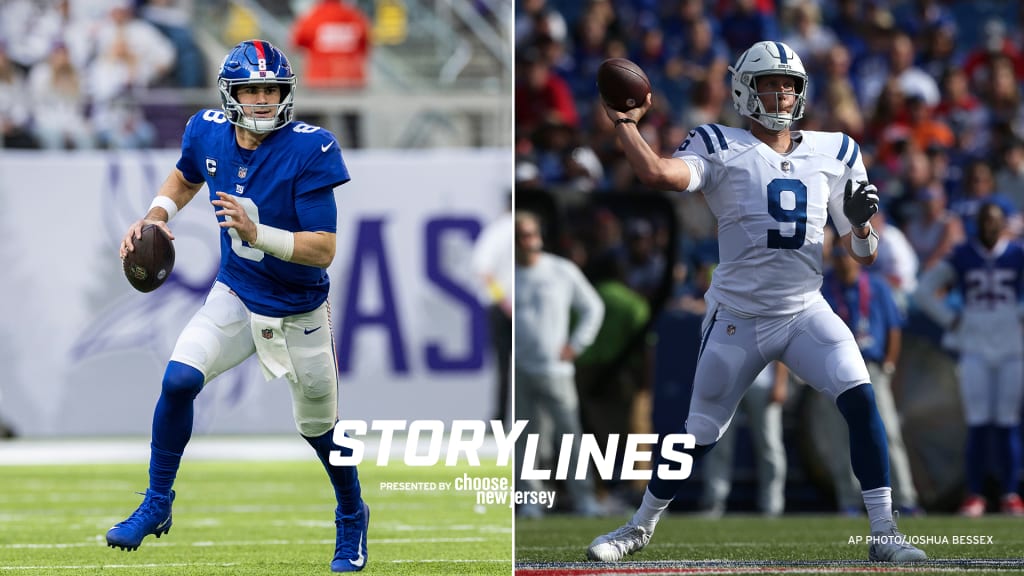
[76, 74]
[71, 73]
[931, 89]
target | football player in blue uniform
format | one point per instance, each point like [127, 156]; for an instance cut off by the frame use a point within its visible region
[772, 191]
[988, 272]
[271, 183]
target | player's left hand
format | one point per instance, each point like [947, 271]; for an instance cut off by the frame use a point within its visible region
[861, 204]
[235, 217]
[634, 114]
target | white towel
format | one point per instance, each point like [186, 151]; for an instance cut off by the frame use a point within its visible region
[271, 347]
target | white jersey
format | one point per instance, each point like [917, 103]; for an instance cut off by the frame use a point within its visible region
[772, 210]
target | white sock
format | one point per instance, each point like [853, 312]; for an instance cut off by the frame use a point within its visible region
[650, 511]
[879, 505]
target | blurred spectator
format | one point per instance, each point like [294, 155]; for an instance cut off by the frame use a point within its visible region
[494, 263]
[613, 370]
[980, 188]
[850, 27]
[762, 406]
[142, 55]
[336, 39]
[912, 80]
[58, 101]
[1010, 176]
[31, 28]
[1003, 101]
[548, 291]
[919, 129]
[978, 63]
[564, 163]
[806, 35]
[172, 20]
[934, 230]
[645, 264]
[897, 261]
[14, 114]
[938, 51]
[868, 307]
[987, 271]
[871, 65]
[888, 110]
[960, 109]
[536, 18]
[744, 24]
[541, 96]
[838, 99]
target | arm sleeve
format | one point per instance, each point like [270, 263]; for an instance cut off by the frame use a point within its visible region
[938, 276]
[589, 309]
[849, 154]
[186, 163]
[317, 210]
[696, 151]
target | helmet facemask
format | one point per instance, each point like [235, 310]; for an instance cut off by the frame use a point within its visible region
[256, 62]
[765, 59]
[238, 114]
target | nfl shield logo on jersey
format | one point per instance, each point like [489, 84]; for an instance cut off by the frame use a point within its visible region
[267, 333]
[242, 170]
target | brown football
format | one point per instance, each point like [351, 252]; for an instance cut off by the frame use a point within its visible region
[149, 265]
[623, 85]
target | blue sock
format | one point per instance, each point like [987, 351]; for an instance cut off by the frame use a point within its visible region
[172, 424]
[976, 457]
[869, 449]
[344, 479]
[667, 489]
[1008, 454]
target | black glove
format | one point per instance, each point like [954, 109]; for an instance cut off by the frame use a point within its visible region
[861, 204]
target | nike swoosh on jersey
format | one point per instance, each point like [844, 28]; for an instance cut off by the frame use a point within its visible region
[307, 331]
[360, 560]
[327, 147]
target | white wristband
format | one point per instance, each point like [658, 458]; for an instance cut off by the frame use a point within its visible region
[864, 247]
[275, 241]
[167, 204]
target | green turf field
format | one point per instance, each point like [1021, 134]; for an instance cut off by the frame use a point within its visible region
[248, 518]
[543, 547]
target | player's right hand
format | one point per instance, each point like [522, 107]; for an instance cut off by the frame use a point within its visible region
[135, 232]
[634, 114]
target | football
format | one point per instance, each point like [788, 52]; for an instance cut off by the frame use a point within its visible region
[149, 265]
[623, 85]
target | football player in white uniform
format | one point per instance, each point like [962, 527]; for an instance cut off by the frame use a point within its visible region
[772, 191]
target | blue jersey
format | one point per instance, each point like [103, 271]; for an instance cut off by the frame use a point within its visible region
[868, 308]
[988, 281]
[287, 182]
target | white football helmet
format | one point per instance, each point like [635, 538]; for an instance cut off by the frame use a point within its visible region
[762, 59]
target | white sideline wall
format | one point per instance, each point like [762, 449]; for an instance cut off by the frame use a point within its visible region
[83, 353]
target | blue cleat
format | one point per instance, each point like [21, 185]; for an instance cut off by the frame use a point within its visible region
[350, 546]
[153, 516]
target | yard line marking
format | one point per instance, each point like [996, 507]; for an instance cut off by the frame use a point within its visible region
[451, 560]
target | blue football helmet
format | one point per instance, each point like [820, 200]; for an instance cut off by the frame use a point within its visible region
[256, 62]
